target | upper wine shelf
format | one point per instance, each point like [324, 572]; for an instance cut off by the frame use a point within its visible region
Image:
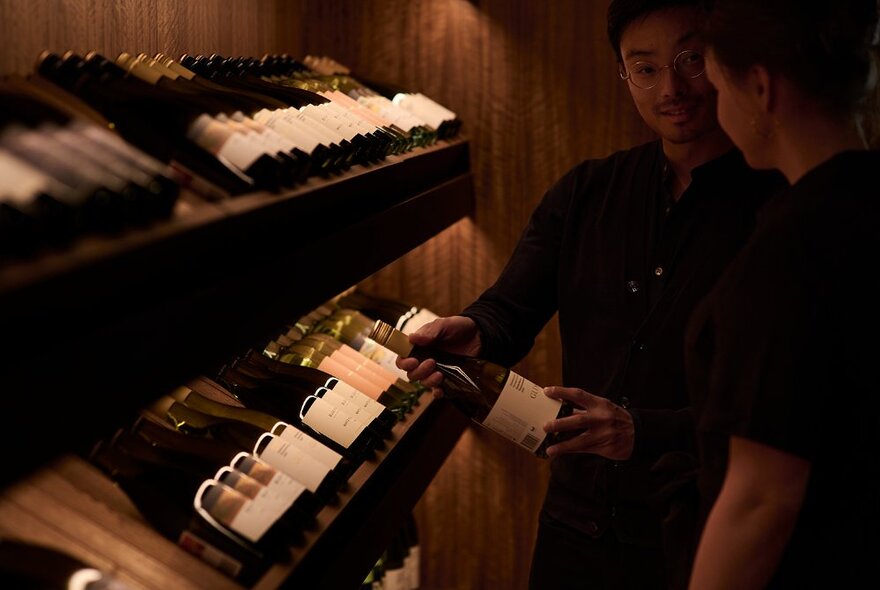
[92, 333]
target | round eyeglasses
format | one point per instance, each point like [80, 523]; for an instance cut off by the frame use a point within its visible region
[646, 75]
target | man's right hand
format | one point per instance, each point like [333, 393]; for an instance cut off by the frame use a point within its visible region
[456, 334]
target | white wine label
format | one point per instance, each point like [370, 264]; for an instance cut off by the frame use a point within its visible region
[275, 120]
[310, 446]
[416, 321]
[346, 405]
[242, 150]
[521, 411]
[382, 356]
[415, 566]
[209, 554]
[252, 520]
[19, 181]
[395, 580]
[348, 392]
[281, 455]
[333, 422]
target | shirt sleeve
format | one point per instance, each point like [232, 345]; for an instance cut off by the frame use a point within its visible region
[513, 311]
[770, 365]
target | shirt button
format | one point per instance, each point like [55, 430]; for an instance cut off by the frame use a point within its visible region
[638, 345]
[633, 286]
[624, 402]
[613, 511]
[658, 271]
[615, 465]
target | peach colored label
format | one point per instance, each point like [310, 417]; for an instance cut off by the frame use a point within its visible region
[343, 373]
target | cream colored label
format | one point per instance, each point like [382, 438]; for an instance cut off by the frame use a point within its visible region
[383, 357]
[347, 391]
[333, 422]
[276, 121]
[252, 520]
[310, 446]
[424, 316]
[19, 181]
[283, 456]
[242, 150]
[413, 565]
[346, 405]
[395, 580]
[521, 411]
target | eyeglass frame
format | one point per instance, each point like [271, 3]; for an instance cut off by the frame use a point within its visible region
[626, 75]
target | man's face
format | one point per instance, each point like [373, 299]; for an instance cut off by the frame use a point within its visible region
[678, 109]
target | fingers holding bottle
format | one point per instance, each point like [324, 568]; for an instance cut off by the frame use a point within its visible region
[597, 425]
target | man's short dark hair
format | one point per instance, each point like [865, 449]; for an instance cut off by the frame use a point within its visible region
[622, 12]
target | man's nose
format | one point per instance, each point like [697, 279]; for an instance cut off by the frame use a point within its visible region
[671, 83]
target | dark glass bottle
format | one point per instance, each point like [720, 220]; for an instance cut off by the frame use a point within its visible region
[488, 393]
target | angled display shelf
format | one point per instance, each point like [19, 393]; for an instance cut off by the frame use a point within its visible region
[91, 334]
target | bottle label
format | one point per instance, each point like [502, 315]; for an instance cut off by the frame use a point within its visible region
[395, 580]
[259, 492]
[310, 446]
[242, 150]
[346, 391]
[521, 411]
[252, 519]
[335, 368]
[415, 566]
[281, 455]
[333, 422]
[346, 405]
[19, 182]
[417, 320]
[209, 554]
[381, 355]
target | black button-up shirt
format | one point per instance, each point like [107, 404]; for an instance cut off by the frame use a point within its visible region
[624, 275]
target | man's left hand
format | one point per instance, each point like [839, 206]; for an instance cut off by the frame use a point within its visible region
[603, 428]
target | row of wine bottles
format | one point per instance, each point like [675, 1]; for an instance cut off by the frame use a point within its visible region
[235, 468]
[223, 126]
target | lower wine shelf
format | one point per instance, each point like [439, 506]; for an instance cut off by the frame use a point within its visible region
[69, 505]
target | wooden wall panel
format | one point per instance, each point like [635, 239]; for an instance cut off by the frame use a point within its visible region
[227, 27]
[537, 88]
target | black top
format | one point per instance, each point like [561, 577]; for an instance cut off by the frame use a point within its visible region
[784, 352]
[624, 276]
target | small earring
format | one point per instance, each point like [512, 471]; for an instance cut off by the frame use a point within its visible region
[764, 131]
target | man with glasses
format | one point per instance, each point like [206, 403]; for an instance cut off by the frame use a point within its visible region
[623, 248]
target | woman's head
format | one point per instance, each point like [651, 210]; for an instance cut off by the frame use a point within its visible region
[824, 47]
[823, 51]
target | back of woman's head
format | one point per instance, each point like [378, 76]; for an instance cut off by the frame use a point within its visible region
[825, 47]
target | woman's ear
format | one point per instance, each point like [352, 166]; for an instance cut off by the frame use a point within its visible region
[761, 88]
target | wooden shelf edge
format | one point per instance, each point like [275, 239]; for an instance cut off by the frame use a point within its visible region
[121, 359]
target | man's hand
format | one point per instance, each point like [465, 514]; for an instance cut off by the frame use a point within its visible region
[456, 334]
[605, 428]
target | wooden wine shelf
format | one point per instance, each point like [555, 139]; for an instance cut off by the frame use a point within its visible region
[91, 334]
[71, 506]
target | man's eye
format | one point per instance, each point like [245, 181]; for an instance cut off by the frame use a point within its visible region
[644, 69]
